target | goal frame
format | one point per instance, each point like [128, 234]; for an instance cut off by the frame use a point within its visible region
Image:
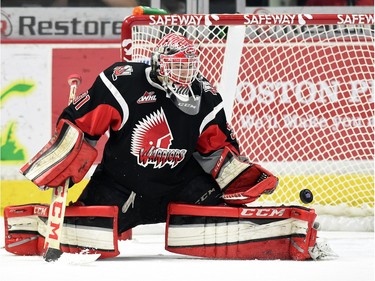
[232, 20]
[238, 20]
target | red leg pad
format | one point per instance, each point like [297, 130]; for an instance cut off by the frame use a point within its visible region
[92, 229]
[265, 233]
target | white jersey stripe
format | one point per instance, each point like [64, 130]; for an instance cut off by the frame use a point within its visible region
[210, 116]
[116, 94]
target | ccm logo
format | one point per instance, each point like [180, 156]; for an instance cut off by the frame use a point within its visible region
[263, 212]
[40, 211]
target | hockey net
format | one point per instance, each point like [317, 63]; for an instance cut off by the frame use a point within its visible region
[299, 92]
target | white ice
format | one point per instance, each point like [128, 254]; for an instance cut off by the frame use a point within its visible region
[144, 258]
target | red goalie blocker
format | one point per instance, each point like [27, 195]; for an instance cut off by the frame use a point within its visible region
[91, 229]
[66, 155]
[265, 233]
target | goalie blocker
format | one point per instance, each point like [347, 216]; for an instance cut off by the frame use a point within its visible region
[66, 155]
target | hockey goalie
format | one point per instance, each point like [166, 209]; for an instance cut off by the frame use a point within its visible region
[171, 157]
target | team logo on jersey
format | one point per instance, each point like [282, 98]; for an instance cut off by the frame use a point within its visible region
[151, 142]
[121, 71]
[148, 97]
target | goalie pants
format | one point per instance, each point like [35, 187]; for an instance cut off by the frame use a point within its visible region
[136, 209]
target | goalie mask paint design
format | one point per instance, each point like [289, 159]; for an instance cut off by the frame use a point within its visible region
[175, 61]
[175, 58]
[151, 141]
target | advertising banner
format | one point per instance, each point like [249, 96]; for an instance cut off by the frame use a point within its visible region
[62, 23]
[34, 93]
[25, 100]
[307, 99]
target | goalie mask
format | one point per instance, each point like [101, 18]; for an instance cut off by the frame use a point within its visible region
[175, 61]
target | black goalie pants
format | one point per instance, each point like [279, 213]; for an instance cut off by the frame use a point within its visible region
[136, 209]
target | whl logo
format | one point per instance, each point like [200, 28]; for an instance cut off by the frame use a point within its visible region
[148, 97]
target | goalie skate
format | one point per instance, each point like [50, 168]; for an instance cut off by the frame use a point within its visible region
[322, 251]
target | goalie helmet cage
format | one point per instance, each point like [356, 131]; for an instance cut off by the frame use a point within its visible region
[299, 92]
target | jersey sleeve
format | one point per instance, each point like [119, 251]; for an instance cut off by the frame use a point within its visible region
[216, 135]
[98, 109]
[215, 131]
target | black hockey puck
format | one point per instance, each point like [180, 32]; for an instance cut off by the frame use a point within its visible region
[306, 196]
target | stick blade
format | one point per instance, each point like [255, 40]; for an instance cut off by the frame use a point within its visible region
[55, 255]
[52, 255]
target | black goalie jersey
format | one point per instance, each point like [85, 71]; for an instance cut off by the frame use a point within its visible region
[151, 144]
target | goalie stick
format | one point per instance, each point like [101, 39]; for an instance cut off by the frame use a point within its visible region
[58, 202]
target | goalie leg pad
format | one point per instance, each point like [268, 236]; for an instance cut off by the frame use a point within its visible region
[21, 230]
[265, 233]
[66, 155]
[90, 229]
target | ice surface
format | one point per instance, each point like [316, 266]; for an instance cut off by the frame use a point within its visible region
[144, 258]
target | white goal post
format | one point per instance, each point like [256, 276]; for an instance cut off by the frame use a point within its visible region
[299, 92]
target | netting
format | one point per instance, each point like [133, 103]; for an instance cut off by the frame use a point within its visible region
[300, 95]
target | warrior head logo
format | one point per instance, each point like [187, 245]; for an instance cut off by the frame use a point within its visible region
[151, 141]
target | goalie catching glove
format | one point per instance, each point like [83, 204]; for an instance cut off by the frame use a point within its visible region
[242, 182]
[66, 155]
